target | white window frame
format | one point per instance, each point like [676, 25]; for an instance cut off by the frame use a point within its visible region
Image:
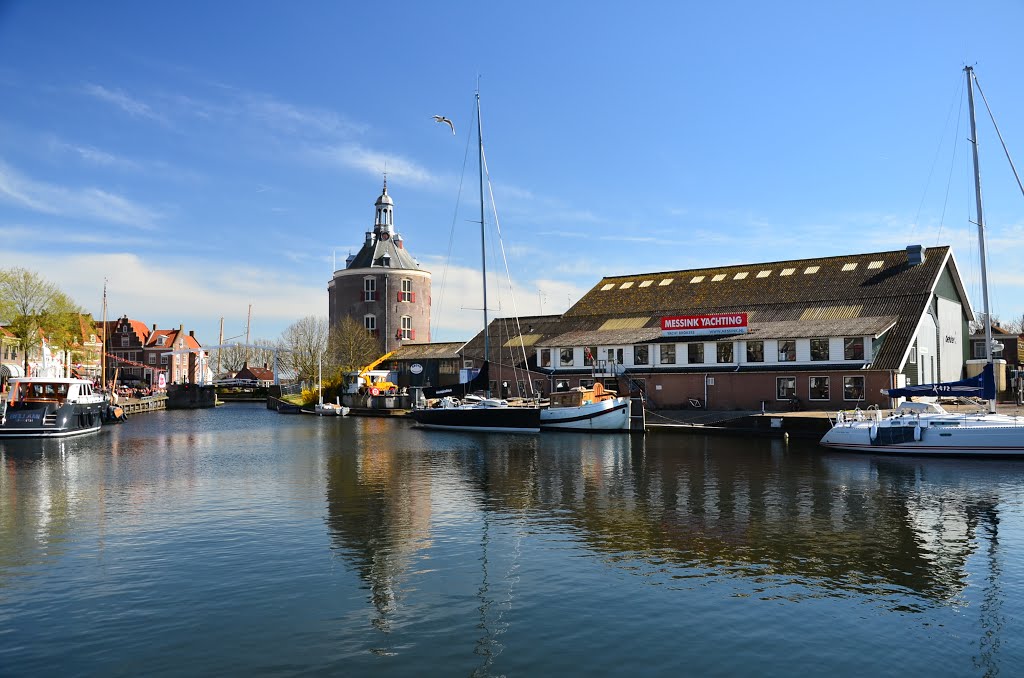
[370, 322]
[406, 290]
[810, 386]
[369, 289]
[406, 327]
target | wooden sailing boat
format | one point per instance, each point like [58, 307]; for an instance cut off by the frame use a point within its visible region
[926, 428]
[486, 414]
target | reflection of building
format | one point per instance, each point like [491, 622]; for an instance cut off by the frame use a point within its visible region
[382, 286]
[379, 511]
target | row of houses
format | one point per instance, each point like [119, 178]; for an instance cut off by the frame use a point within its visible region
[825, 333]
[136, 354]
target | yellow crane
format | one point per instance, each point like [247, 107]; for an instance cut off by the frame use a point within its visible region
[381, 385]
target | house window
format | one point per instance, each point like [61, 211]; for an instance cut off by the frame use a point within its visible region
[407, 331]
[152, 358]
[587, 383]
[545, 357]
[724, 351]
[588, 355]
[787, 350]
[521, 385]
[406, 293]
[370, 323]
[668, 354]
[853, 348]
[978, 349]
[913, 355]
[561, 384]
[785, 388]
[615, 355]
[695, 354]
[565, 357]
[641, 355]
[163, 358]
[853, 388]
[755, 351]
[819, 388]
[819, 349]
[124, 341]
[161, 340]
[369, 289]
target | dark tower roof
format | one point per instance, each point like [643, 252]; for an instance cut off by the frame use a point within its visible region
[383, 247]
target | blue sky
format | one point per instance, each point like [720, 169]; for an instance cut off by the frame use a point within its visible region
[207, 156]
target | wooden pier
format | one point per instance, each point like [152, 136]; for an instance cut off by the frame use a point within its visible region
[144, 404]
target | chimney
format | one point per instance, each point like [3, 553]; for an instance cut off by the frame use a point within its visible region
[915, 255]
[181, 329]
[192, 333]
[154, 327]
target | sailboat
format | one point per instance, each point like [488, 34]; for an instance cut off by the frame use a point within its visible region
[927, 428]
[470, 413]
[335, 409]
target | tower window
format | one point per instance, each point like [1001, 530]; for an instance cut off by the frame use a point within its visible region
[406, 294]
[370, 323]
[369, 289]
[407, 332]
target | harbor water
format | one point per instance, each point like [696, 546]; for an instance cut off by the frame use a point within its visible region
[237, 541]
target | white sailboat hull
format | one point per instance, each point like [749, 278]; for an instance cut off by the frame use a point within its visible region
[946, 434]
[606, 415]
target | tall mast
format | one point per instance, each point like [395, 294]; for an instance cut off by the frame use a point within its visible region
[248, 322]
[483, 229]
[220, 346]
[103, 338]
[981, 226]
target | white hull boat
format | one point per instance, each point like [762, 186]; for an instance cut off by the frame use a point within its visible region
[584, 409]
[926, 428]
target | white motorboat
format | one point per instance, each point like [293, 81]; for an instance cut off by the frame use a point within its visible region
[45, 407]
[330, 409]
[926, 428]
[586, 409]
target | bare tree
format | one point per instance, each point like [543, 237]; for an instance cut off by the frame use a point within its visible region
[350, 346]
[35, 307]
[304, 343]
[234, 357]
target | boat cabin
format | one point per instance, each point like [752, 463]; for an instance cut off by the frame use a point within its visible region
[47, 391]
[579, 396]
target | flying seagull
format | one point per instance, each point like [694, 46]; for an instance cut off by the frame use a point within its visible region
[441, 118]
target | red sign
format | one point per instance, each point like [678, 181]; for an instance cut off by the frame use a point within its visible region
[712, 323]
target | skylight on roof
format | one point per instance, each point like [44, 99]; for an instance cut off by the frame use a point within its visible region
[696, 279]
[763, 274]
[666, 281]
[720, 276]
[607, 287]
[811, 269]
[850, 266]
[788, 271]
[740, 276]
[646, 283]
[626, 285]
[875, 264]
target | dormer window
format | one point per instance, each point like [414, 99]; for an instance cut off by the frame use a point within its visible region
[160, 341]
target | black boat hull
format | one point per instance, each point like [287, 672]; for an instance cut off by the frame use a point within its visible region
[490, 419]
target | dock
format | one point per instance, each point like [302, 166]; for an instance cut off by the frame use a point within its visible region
[145, 404]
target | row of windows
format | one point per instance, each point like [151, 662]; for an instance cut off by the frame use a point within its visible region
[405, 330]
[818, 388]
[370, 290]
[741, 275]
[853, 349]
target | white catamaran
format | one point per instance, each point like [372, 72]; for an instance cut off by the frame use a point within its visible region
[926, 428]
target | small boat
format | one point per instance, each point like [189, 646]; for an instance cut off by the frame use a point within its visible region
[486, 414]
[586, 409]
[43, 407]
[927, 428]
[335, 409]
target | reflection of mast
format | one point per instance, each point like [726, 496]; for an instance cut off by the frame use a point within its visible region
[991, 617]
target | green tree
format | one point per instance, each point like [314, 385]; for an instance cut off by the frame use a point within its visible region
[34, 308]
[304, 343]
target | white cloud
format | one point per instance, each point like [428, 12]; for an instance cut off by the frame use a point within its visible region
[354, 156]
[129, 105]
[89, 203]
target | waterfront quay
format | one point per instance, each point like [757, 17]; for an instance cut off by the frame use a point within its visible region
[236, 541]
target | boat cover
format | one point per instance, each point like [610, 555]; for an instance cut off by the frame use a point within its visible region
[981, 386]
[461, 390]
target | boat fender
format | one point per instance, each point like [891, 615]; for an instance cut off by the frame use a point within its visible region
[917, 432]
[873, 432]
[392, 391]
[840, 417]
